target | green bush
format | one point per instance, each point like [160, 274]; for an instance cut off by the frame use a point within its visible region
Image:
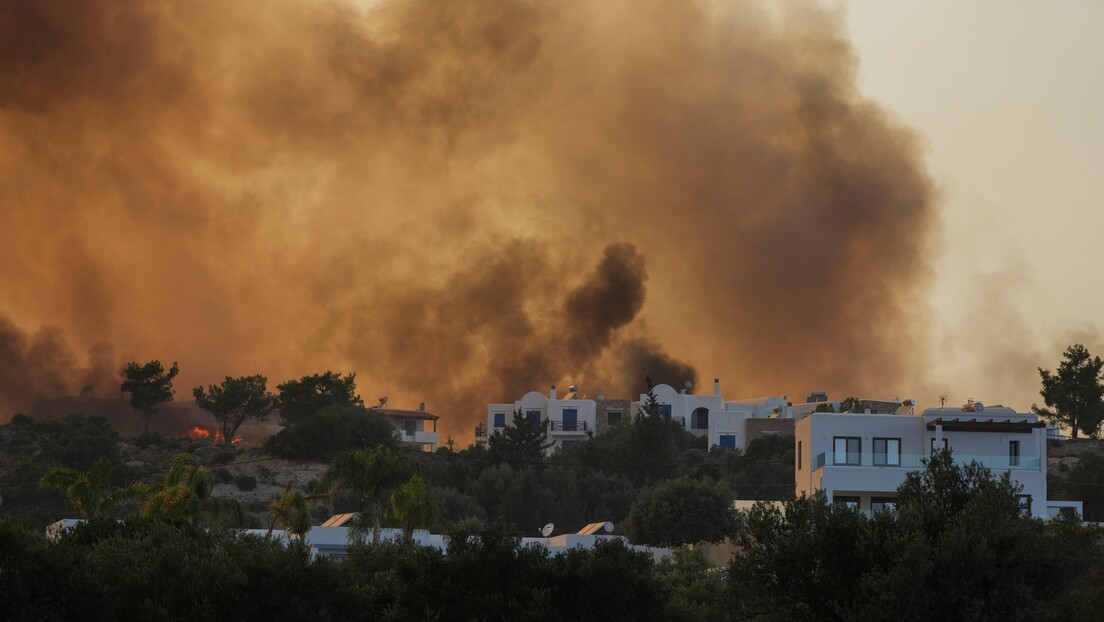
[331, 430]
[245, 482]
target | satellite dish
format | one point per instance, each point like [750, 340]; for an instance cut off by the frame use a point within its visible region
[382, 401]
[547, 530]
[608, 527]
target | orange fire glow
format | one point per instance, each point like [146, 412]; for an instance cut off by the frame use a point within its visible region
[197, 432]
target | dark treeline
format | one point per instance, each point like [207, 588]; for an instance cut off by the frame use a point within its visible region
[957, 548]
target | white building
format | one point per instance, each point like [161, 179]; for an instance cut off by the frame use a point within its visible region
[569, 420]
[861, 459]
[730, 425]
[417, 428]
[726, 424]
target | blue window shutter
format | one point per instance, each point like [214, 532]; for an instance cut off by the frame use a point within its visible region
[500, 420]
[728, 441]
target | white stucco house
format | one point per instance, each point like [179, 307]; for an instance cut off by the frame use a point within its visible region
[569, 419]
[726, 424]
[860, 459]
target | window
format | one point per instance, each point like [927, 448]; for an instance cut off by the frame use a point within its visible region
[878, 504]
[727, 441]
[1013, 453]
[533, 417]
[934, 446]
[613, 418]
[848, 450]
[798, 455]
[887, 452]
[699, 419]
[500, 420]
[665, 410]
[409, 427]
[851, 503]
[1025, 504]
[570, 421]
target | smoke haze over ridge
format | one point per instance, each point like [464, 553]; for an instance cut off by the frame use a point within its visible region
[459, 201]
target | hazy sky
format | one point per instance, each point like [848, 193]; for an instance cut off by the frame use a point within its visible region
[1008, 97]
[465, 201]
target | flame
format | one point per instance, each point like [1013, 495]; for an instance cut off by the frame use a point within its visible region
[237, 440]
[198, 432]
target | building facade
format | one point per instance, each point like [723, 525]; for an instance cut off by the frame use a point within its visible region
[860, 459]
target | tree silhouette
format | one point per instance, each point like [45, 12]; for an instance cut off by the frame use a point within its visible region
[149, 386]
[1076, 392]
[185, 495]
[236, 401]
[90, 492]
[369, 474]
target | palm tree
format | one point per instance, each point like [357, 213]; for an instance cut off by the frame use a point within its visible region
[368, 474]
[90, 492]
[293, 513]
[410, 505]
[186, 495]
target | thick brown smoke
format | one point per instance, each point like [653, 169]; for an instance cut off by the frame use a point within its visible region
[461, 201]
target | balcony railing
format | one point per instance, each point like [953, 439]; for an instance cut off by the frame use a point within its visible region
[914, 461]
[481, 430]
[568, 426]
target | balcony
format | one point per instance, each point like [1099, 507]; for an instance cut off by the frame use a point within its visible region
[914, 461]
[418, 436]
[481, 432]
[567, 426]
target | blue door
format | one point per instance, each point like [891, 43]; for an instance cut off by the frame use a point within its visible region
[533, 416]
[728, 441]
[570, 419]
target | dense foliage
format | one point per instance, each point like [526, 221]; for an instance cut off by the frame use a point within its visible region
[957, 548]
[331, 430]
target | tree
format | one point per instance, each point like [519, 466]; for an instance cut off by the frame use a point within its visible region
[369, 474]
[332, 429]
[681, 511]
[293, 513]
[236, 401]
[520, 444]
[651, 406]
[149, 386]
[1076, 392]
[301, 399]
[185, 495]
[90, 492]
[851, 405]
[411, 505]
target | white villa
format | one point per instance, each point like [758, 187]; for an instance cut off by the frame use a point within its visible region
[860, 459]
[729, 425]
[569, 420]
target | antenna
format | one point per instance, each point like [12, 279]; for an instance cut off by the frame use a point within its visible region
[547, 530]
[942, 400]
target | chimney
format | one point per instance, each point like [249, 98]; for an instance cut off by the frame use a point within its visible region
[552, 393]
[421, 407]
[716, 386]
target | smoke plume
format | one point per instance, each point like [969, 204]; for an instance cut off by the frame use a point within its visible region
[460, 201]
